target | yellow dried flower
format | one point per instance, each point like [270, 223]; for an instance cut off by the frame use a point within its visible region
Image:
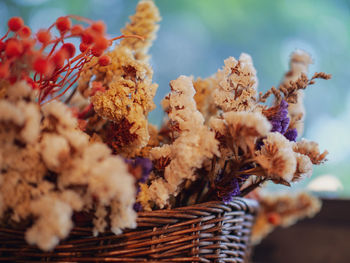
[143, 23]
[128, 94]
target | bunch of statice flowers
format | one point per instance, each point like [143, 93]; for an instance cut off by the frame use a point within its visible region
[282, 210]
[76, 147]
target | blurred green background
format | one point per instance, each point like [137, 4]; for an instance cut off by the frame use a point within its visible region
[196, 36]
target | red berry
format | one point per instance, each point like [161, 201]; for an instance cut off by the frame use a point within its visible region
[15, 23]
[87, 37]
[63, 24]
[69, 48]
[96, 51]
[101, 43]
[27, 45]
[59, 58]
[43, 36]
[13, 48]
[83, 47]
[43, 66]
[104, 60]
[4, 71]
[25, 32]
[274, 218]
[99, 27]
[77, 30]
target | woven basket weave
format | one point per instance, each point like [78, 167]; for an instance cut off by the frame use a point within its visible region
[208, 232]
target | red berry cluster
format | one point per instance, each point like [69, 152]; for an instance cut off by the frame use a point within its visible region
[52, 59]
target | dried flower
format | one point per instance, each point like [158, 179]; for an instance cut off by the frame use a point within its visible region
[304, 167]
[246, 127]
[96, 159]
[204, 92]
[277, 158]
[311, 150]
[128, 90]
[278, 117]
[291, 134]
[140, 168]
[237, 84]
[282, 210]
[190, 149]
[44, 155]
[226, 191]
[143, 23]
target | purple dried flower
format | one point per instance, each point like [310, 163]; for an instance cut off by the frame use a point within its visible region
[280, 120]
[291, 134]
[276, 125]
[146, 166]
[284, 104]
[140, 168]
[227, 188]
[284, 125]
[280, 123]
[232, 191]
[137, 207]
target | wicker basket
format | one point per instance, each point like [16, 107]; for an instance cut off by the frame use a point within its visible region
[208, 232]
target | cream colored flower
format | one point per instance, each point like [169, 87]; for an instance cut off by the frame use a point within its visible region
[304, 167]
[54, 151]
[237, 85]
[50, 169]
[277, 158]
[310, 149]
[195, 143]
[246, 124]
[204, 96]
[53, 223]
[299, 64]
[245, 128]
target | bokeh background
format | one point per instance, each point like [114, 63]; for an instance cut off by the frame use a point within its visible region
[196, 36]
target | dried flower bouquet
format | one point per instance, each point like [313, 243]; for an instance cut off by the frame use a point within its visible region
[76, 145]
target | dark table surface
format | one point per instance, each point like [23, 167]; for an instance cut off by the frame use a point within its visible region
[322, 239]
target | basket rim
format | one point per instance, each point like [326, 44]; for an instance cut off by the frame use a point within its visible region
[240, 203]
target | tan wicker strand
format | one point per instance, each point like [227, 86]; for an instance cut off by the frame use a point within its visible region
[208, 232]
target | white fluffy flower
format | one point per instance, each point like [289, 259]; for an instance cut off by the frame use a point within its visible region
[53, 223]
[10, 112]
[54, 150]
[61, 112]
[31, 129]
